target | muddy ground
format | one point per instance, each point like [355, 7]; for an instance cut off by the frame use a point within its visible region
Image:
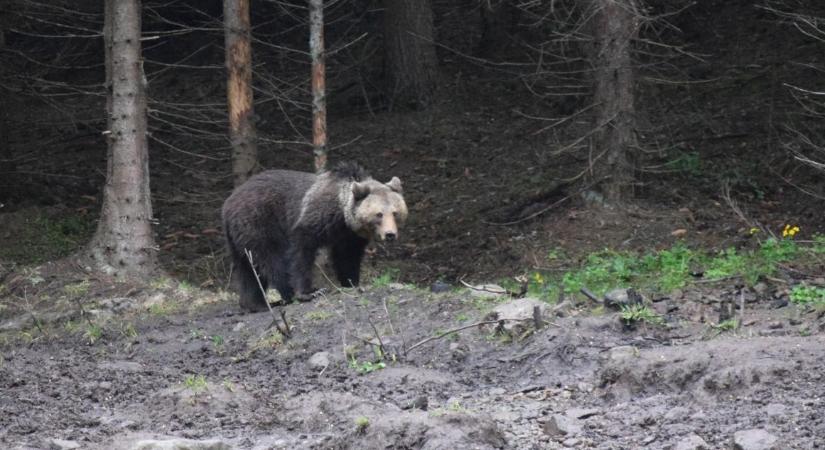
[189, 364]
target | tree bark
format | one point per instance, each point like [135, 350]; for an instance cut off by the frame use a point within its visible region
[242, 133]
[123, 244]
[614, 25]
[319, 106]
[412, 67]
[7, 165]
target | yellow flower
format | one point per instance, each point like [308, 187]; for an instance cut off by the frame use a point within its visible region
[790, 231]
[753, 230]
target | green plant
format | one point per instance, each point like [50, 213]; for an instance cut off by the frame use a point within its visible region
[184, 287]
[160, 283]
[217, 340]
[365, 367]
[686, 162]
[808, 295]
[128, 330]
[195, 383]
[93, 333]
[318, 315]
[162, 308]
[361, 424]
[386, 278]
[76, 290]
[727, 325]
[639, 313]
[228, 385]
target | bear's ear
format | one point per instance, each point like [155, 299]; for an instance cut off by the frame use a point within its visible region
[360, 191]
[395, 184]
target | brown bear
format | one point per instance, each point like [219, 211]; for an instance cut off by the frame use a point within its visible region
[284, 217]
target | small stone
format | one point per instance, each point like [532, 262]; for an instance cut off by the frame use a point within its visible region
[440, 286]
[561, 425]
[584, 387]
[62, 444]
[239, 326]
[755, 439]
[497, 391]
[691, 442]
[676, 414]
[760, 288]
[319, 360]
[775, 325]
[182, 444]
[776, 410]
[572, 442]
[623, 353]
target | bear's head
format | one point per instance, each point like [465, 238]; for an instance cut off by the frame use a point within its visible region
[379, 209]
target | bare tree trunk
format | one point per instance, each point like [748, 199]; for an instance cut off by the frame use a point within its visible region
[123, 244]
[319, 106]
[7, 165]
[412, 67]
[614, 24]
[242, 132]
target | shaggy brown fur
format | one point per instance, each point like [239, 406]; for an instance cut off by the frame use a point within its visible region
[283, 217]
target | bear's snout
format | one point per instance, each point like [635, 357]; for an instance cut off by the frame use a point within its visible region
[389, 236]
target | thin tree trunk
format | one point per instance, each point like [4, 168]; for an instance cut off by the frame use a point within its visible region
[319, 106]
[7, 165]
[123, 244]
[242, 134]
[412, 67]
[614, 25]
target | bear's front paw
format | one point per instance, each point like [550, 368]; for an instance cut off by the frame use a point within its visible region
[312, 295]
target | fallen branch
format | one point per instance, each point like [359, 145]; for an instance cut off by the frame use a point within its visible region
[285, 332]
[455, 330]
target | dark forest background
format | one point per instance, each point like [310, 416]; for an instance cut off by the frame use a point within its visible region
[717, 128]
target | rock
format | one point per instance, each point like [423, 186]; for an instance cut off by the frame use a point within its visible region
[520, 309]
[239, 326]
[616, 297]
[622, 297]
[319, 360]
[581, 413]
[676, 414]
[776, 410]
[622, 353]
[755, 439]
[563, 309]
[62, 444]
[182, 444]
[691, 442]
[440, 286]
[572, 442]
[560, 425]
[487, 290]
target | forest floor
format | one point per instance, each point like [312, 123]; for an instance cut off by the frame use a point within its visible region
[104, 364]
[111, 366]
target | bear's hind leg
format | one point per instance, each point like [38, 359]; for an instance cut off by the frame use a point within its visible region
[346, 259]
[251, 297]
[279, 276]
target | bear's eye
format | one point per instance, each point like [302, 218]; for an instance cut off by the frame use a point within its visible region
[379, 215]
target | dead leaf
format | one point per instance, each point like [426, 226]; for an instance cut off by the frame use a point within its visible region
[678, 233]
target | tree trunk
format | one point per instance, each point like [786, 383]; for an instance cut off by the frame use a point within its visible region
[7, 165]
[123, 244]
[614, 25]
[319, 106]
[242, 133]
[412, 67]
